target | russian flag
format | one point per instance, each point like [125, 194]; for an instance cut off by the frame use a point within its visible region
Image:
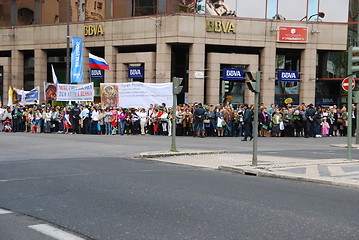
[98, 63]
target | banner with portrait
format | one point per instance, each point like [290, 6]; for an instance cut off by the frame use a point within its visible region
[69, 92]
[136, 94]
[109, 94]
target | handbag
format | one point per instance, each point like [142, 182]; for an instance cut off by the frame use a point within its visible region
[207, 121]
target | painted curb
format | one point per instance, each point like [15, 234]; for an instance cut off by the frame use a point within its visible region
[171, 154]
[262, 173]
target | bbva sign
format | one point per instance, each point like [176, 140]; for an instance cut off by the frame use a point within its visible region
[93, 30]
[220, 26]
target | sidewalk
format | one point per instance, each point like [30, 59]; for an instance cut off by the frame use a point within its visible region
[338, 172]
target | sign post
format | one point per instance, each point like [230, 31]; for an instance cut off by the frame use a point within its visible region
[176, 89]
[349, 83]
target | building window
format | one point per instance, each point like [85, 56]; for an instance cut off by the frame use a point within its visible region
[5, 13]
[25, 12]
[287, 91]
[144, 7]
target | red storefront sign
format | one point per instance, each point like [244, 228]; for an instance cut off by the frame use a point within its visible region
[293, 34]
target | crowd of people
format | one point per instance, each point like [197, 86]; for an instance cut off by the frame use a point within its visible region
[195, 120]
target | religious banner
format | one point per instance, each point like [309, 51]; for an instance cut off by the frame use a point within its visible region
[109, 94]
[136, 94]
[69, 92]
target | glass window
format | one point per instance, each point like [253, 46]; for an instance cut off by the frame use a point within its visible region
[5, 13]
[250, 9]
[292, 9]
[25, 12]
[287, 91]
[334, 10]
[271, 9]
[200, 6]
[221, 8]
[144, 7]
[313, 9]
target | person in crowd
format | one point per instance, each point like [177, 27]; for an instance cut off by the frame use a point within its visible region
[276, 121]
[247, 123]
[310, 116]
[16, 118]
[263, 121]
[86, 119]
[143, 120]
[198, 116]
[221, 123]
[47, 116]
[95, 115]
[75, 117]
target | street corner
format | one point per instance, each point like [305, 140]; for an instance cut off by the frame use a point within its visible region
[344, 174]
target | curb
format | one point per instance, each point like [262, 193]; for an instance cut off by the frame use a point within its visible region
[262, 173]
[354, 146]
[179, 153]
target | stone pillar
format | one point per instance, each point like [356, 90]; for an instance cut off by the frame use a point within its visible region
[120, 69]
[86, 68]
[6, 64]
[308, 76]
[17, 69]
[196, 63]
[40, 71]
[268, 66]
[163, 62]
[110, 57]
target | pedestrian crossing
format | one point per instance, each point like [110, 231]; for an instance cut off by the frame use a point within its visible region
[32, 228]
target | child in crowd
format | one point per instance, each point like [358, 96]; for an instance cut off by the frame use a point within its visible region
[325, 127]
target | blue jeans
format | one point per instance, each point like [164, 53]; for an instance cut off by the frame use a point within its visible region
[122, 127]
[108, 127]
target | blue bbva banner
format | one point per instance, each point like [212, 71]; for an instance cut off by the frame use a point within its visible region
[288, 76]
[76, 61]
[233, 74]
[97, 73]
[136, 72]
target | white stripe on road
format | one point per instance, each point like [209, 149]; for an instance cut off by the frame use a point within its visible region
[54, 232]
[3, 211]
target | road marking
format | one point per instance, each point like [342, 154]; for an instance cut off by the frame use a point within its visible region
[335, 171]
[312, 170]
[54, 232]
[3, 211]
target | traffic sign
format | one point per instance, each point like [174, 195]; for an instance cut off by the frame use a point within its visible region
[345, 84]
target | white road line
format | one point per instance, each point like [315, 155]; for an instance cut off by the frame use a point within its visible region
[336, 170]
[312, 170]
[3, 211]
[54, 232]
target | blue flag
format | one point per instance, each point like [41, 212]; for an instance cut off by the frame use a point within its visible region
[76, 61]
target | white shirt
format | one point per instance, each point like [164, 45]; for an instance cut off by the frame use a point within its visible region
[95, 115]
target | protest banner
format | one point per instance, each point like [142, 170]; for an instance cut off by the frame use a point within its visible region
[109, 94]
[69, 92]
[136, 94]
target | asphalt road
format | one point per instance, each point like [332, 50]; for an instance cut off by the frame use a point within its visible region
[92, 186]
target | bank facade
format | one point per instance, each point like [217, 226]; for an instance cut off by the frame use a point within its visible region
[197, 48]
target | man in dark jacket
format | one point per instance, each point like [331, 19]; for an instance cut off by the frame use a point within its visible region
[310, 115]
[199, 115]
[247, 123]
[75, 116]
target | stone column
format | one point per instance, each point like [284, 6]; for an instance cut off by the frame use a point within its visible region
[40, 71]
[196, 63]
[110, 57]
[86, 68]
[6, 64]
[268, 66]
[163, 62]
[308, 76]
[17, 69]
